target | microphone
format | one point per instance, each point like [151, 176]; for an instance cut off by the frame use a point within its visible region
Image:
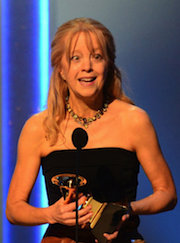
[79, 138]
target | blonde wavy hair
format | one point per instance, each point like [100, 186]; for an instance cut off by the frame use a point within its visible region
[58, 90]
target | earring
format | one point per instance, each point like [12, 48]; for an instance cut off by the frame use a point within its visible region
[63, 77]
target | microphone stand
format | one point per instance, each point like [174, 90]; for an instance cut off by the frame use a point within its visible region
[79, 139]
[78, 157]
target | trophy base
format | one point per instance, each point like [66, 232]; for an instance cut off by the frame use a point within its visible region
[106, 217]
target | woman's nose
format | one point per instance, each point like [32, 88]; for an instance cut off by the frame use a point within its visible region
[87, 64]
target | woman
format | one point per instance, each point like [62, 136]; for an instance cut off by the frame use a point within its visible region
[85, 91]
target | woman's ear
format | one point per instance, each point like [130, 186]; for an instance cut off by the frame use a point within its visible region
[62, 74]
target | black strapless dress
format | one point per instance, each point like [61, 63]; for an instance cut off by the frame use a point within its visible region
[111, 175]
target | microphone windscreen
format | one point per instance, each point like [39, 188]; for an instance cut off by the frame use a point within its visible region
[79, 138]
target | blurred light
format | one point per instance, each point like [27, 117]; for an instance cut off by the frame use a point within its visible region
[44, 79]
[41, 43]
[5, 113]
[44, 51]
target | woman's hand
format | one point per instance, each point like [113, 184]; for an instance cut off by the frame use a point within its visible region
[64, 213]
[114, 235]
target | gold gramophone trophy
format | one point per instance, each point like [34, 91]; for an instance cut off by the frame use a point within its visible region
[67, 184]
[106, 216]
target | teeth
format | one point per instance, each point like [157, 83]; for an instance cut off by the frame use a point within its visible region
[87, 79]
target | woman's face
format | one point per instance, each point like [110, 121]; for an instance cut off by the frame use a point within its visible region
[86, 73]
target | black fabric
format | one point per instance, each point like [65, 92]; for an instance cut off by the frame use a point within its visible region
[111, 175]
[60, 231]
[111, 172]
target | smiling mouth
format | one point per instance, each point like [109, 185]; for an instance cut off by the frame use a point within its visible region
[87, 79]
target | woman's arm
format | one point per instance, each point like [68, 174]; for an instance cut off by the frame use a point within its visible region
[150, 156]
[27, 167]
[18, 210]
[145, 143]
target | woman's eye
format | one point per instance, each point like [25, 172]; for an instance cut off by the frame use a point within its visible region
[97, 56]
[74, 58]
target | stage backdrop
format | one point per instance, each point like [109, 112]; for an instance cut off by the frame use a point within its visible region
[147, 37]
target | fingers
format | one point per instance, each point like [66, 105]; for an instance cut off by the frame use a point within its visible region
[125, 217]
[67, 213]
[109, 237]
[112, 236]
[69, 218]
[72, 205]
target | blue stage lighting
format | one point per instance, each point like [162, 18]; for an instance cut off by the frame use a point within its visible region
[38, 30]
[44, 77]
[5, 114]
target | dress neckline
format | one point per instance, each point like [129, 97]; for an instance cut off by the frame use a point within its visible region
[88, 150]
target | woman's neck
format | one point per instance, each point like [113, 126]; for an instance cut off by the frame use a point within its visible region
[86, 107]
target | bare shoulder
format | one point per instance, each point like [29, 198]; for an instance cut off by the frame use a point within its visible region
[33, 127]
[134, 121]
[35, 122]
[138, 127]
[133, 115]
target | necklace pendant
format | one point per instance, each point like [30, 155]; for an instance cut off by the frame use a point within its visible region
[86, 125]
